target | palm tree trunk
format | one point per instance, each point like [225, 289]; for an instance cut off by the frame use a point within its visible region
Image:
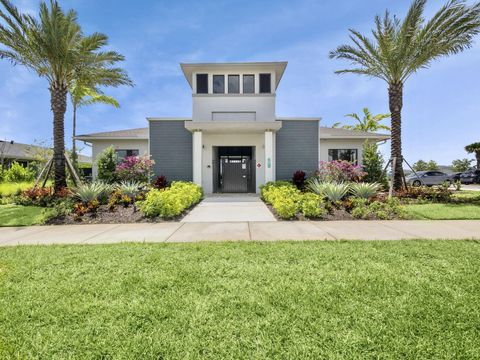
[395, 95]
[74, 129]
[58, 102]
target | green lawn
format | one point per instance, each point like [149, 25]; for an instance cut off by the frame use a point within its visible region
[302, 300]
[16, 215]
[443, 211]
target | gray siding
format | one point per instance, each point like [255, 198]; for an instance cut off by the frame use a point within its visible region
[171, 148]
[296, 148]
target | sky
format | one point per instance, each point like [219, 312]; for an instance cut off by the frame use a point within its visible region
[441, 111]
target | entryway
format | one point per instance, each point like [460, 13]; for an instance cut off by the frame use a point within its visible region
[230, 208]
[233, 169]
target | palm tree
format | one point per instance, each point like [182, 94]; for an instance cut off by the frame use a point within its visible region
[400, 48]
[55, 48]
[474, 149]
[369, 123]
[83, 94]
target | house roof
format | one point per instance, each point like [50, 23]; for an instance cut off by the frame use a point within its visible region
[19, 151]
[278, 66]
[339, 133]
[325, 133]
[129, 134]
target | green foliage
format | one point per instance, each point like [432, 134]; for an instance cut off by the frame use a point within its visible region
[437, 194]
[474, 149]
[95, 191]
[60, 209]
[364, 190]
[332, 191]
[387, 210]
[461, 165]
[312, 206]
[373, 164]
[369, 123]
[106, 165]
[421, 165]
[18, 215]
[129, 188]
[284, 197]
[17, 174]
[171, 201]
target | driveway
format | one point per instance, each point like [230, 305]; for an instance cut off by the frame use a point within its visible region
[472, 187]
[230, 208]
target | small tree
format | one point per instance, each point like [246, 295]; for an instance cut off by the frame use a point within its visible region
[421, 165]
[106, 165]
[373, 163]
[474, 149]
[461, 165]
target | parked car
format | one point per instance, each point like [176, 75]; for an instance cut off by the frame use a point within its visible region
[428, 178]
[470, 177]
[455, 176]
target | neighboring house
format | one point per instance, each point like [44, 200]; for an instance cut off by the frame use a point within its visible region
[24, 154]
[234, 141]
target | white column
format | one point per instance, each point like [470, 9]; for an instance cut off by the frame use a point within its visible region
[269, 156]
[197, 157]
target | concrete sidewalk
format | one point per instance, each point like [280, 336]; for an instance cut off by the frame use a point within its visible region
[241, 231]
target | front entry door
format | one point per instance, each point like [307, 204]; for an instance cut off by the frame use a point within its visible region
[234, 171]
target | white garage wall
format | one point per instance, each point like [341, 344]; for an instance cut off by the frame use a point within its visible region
[326, 144]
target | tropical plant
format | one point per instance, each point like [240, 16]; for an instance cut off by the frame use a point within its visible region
[129, 188]
[369, 123]
[83, 93]
[331, 190]
[400, 48]
[312, 206]
[135, 168]
[106, 165]
[461, 165]
[364, 190]
[373, 163]
[92, 191]
[298, 179]
[18, 173]
[474, 149]
[339, 171]
[421, 165]
[55, 48]
[160, 182]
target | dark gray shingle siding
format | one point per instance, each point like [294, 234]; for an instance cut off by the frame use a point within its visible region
[296, 148]
[171, 148]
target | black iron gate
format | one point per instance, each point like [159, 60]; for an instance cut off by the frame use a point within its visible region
[235, 175]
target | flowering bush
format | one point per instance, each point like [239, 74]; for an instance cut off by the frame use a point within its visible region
[339, 171]
[135, 168]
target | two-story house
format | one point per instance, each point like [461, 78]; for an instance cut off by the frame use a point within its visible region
[234, 141]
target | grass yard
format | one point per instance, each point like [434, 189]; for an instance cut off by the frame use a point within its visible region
[16, 215]
[450, 211]
[302, 300]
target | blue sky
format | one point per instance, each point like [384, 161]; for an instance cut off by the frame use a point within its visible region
[441, 104]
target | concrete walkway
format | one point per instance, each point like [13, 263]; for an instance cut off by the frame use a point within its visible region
[247, 231]
[230, 208]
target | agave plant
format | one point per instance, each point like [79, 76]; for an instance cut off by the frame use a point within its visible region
[364, 190]
[93, 191]
[332, 191]
[129, 188]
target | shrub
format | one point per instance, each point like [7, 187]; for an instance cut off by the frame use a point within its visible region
[265, 190]
[440, 194]
[387, 210]
[373, 165]
[298, 179]
[160, 182]
[129, 188]
[17, 173]
[339, 171]
[312, 206]
[106, 165]
[364, 190]
[95, 191]
[36, 196]
[332, 191]
[59, 210]
[135, 168]
[172, 201]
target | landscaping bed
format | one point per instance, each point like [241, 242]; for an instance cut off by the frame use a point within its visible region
[285, 300]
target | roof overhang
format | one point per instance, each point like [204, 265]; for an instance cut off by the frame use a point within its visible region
[89, 138]
[278, 66]
[233, 126]
[355, 137]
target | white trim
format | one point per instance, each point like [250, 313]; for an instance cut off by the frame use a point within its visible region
[269, 175]
[197, 149]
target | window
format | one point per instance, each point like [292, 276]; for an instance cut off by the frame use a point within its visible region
[248, 84]
[233, 84]
[122, 154]
[202, 83]
[350, 155]
[265, 84]
[218, 84]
